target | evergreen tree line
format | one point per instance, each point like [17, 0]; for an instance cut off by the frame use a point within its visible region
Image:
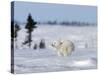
[30, 27]
[68, 23]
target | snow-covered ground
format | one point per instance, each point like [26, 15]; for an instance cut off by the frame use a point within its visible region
[28, 60]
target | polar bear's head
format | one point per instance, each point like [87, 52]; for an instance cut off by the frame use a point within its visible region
[56, 43]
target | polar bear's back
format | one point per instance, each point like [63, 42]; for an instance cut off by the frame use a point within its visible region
[67, 43]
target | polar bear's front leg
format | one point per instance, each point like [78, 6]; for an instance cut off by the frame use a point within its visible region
[59, 53]
[65, 54]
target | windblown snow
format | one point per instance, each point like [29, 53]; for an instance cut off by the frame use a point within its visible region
[29, 60]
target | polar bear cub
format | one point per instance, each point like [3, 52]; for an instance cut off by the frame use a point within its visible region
[63, 47]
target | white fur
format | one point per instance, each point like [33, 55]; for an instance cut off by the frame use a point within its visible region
[63, 47]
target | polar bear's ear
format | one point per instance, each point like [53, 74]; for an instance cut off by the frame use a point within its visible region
[53, 44]
[60, 42]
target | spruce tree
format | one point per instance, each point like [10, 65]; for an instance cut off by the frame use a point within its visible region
[30, 26]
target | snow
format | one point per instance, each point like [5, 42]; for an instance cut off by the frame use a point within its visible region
[28, 60]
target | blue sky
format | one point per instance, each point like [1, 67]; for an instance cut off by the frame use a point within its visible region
[60, 12]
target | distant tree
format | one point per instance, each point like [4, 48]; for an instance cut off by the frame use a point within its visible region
[30, 26]
[42, 44]
[14, 32]
[35, 46]
[16, 29]
[52, 22]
